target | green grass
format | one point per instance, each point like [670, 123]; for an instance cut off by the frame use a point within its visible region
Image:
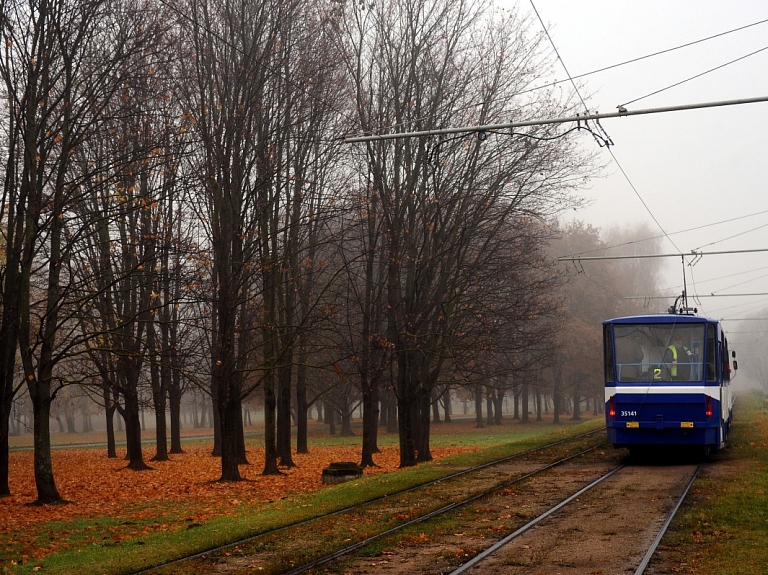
[724, 527]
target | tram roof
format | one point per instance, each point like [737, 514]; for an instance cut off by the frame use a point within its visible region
[661, 318]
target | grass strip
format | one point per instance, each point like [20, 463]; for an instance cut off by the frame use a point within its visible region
[722, 529]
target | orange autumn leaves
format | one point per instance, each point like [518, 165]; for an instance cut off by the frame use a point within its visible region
[98, 487]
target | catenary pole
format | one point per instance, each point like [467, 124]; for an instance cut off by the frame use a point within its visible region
[622, 112]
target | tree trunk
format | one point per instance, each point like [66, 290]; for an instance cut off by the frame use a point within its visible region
[388, 410]
[284, 414]
[230, 417]
[556, 393]
[174, 399]
[270, 434]
[215, 411]
[524, 404]
[370, 419]
[161, 434]
[407, 411]
[447, 403]
[435, 407]
[498, 405]
[346, 422]
[5, 409]
[302, 410]
[242, 456]
[330, 418]
[159, 392]
[109, 417]
[576, 403]
[516, 401]
[8, 347]
[479, 424]
[44, 481]
[539, 400]
[423, 452]
[69, 418]
[132, 419]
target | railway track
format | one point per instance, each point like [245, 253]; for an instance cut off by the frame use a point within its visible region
[495, 558]
[584, 522]
[386, 516]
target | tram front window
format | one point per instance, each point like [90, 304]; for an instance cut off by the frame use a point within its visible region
[659, 352]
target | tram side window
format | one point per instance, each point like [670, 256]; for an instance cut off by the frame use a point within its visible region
[711, 355]
[608, 350]
[726, 361]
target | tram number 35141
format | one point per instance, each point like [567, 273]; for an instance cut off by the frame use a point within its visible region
[628, 414]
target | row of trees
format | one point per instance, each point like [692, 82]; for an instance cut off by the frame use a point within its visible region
[179, 209]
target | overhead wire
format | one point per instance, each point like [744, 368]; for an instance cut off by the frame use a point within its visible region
[695, 228]
[750, 305]
[730, 275]
[668, 50]
[681, 82]
[603, 69]
[626, 176]
[741, 283]
[731, 237]
[642, 201]
[610, 151]
[624, 173]
[695, 290]
[557, 53]
[602, 139]
[717, 292]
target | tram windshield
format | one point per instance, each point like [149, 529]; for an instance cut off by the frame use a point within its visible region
[659, 352]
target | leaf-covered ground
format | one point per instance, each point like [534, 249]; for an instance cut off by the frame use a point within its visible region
[117, 501]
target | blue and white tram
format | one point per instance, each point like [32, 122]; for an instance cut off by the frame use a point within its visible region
[667, 382]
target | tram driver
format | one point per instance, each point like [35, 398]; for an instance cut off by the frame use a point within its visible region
[677, 358]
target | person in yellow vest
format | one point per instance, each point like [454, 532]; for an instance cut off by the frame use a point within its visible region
[677, 358]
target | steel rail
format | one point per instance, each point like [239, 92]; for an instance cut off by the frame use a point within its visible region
[482, 556]
[652, 549]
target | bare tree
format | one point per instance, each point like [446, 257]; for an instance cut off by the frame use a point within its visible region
[597, 291]
[309, 82]
[425, 65]
[262, 79]
[227, 64]
[65, 61]
[362, 289]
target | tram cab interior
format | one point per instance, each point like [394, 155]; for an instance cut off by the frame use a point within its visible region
[661, 352]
